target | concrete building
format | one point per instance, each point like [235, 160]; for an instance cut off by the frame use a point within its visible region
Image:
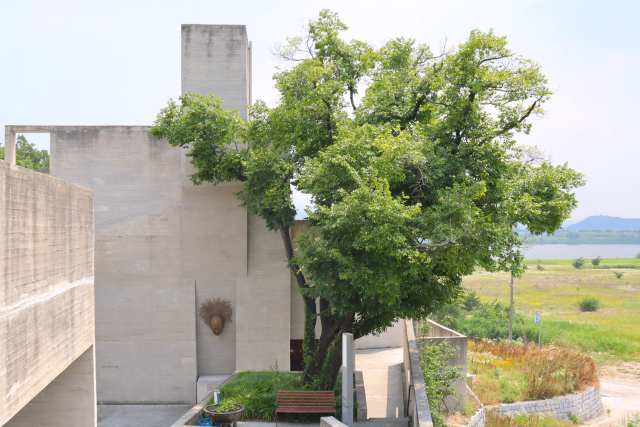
[164, 246]
[47, 368]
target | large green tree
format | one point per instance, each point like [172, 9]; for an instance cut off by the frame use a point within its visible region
[28, 156]
[411, 161]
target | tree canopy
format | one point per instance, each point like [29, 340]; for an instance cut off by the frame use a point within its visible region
[28, 156]
[411, 161]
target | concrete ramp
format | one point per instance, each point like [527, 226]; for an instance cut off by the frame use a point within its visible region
[382, 373]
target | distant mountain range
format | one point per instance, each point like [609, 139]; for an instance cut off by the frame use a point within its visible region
[605, 223]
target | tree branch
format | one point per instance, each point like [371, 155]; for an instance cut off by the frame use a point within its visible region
[288, 248]
[353, 104]
[521, 119]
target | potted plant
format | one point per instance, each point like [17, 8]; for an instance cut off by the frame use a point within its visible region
[224, 413]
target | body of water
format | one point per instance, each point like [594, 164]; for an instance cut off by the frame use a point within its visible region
[577, 251]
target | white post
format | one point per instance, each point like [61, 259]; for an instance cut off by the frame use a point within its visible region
[348, 358]
[511, 313]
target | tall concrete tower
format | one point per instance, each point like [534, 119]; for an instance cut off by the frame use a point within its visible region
[216, 59]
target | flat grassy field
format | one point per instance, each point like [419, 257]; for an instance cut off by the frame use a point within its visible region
[613, 332]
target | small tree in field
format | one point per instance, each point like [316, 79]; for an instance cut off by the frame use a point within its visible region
[589, 304]
[413, 187]
[578, 263]
[596, 261]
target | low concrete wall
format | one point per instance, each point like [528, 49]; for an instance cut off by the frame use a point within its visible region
[392, 337]
[416, 402]
[361, 397]
[194, 414]
[439, 334]
[585, 406]
[331, 422]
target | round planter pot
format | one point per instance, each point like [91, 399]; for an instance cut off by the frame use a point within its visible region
[224, 418]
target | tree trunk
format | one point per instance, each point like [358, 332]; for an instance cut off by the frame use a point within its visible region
[323, 364]
[324, 355]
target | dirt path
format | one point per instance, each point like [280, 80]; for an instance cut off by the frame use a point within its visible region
[620, 399]
[621, 373]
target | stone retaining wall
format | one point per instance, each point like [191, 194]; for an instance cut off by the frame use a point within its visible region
[585, 406]
[478, 419]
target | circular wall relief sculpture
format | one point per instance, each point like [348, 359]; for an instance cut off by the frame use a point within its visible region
[216, 313]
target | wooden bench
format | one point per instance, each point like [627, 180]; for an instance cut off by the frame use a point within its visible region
[305, 402]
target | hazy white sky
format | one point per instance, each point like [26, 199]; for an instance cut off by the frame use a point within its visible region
[88, 62]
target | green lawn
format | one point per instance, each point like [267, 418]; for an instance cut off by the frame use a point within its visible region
[555, 292]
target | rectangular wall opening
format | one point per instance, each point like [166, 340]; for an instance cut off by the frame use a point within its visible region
[30, 149]
[33, 151]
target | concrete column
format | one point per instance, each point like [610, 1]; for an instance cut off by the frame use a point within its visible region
[348, 359]
[9, 146]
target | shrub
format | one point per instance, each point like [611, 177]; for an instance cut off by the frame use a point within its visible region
[578, 263]
[489, 320]
[589, 304]
[638, 255]
[618, 274]
[471, 301]
[539, 267]
[596, 261]
[438, 377]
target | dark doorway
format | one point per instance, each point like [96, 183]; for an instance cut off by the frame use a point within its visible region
[296, 355]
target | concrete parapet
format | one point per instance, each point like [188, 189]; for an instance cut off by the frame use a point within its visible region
[415, 395]
[46, 299]
[361, 397]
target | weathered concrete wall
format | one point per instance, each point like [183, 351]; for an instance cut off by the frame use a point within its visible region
[263, 303]
[145, 311]
[215, 254]
[46, 285]
[68, 401]
[164, 246]
[245, 262]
